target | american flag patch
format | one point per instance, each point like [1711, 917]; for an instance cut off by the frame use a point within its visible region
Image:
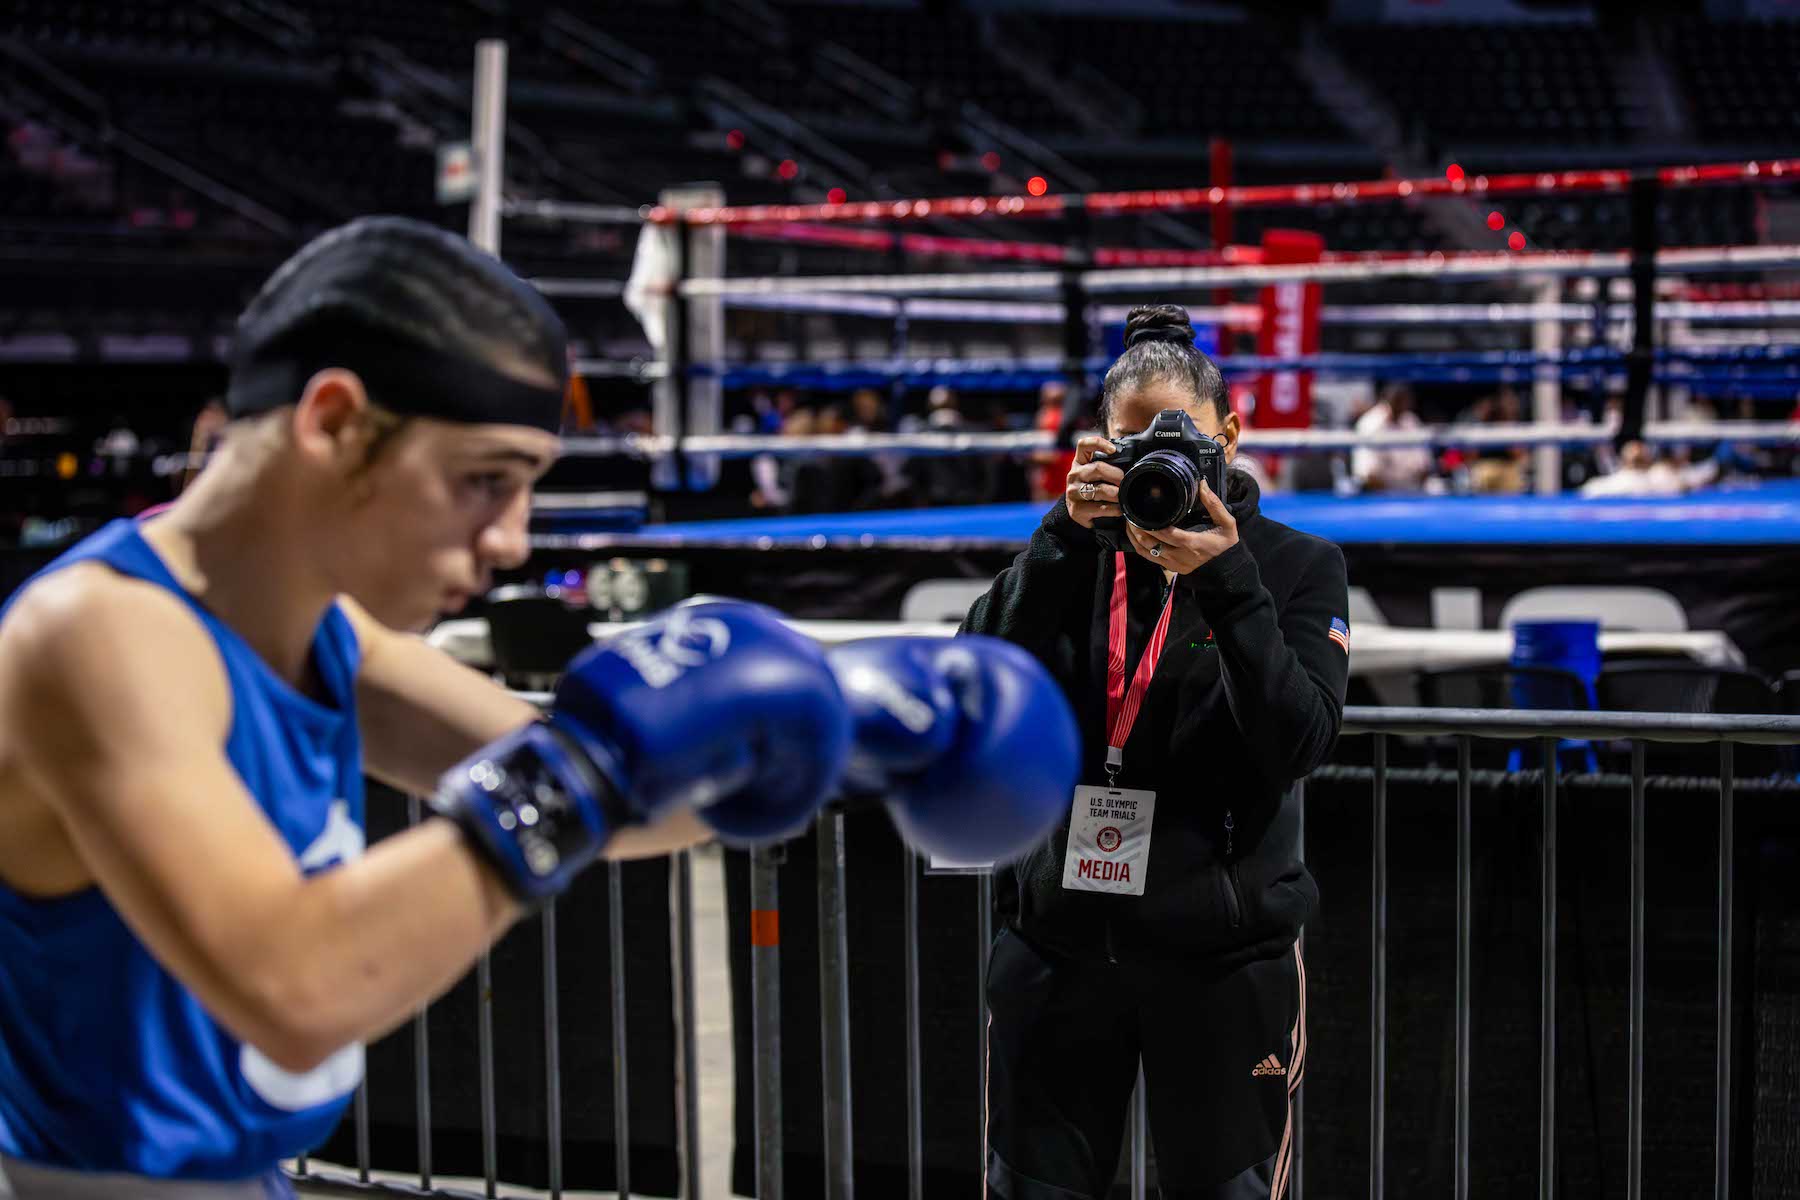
[1339, 633]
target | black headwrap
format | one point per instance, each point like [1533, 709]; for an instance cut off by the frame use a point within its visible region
[433, 326]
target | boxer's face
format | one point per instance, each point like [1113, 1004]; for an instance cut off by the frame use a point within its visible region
[1133, 411]
[443, 507]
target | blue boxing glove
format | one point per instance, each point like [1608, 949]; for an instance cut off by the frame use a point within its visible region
[969, 740]
[719, 707]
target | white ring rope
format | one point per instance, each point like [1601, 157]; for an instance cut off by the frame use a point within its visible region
[1025, 312]
[1663, 433]
[1426, 266]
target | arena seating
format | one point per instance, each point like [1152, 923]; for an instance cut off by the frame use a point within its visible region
[942, 54]
[1195, 79]
[1473, 85]
[1740, 80]
[177, 28]
[285, 104]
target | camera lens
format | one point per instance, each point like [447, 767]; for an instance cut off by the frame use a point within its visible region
[1160, 490]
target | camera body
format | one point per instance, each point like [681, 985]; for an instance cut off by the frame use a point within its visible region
[1164, 466]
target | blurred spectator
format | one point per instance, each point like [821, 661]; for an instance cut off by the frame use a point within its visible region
[1499, 470]
[944, 479]
[578, 407]
[943, 415]
[774, 477]
[1641, 473]
[1390, 470]
[885, 479]
[997, 476]
[209, 426]
[1052, 473]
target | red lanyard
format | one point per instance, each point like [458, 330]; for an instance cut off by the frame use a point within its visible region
[1121, 705]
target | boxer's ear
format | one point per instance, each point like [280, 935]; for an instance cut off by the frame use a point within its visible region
[330, 424]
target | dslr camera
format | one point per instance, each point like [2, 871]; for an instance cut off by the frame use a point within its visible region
[1163, 468]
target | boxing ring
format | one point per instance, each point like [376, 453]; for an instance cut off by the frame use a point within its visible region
[1637, 321]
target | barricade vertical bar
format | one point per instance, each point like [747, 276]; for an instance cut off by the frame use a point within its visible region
[552, 1053]
[1464, 901]
[1378, 983]
[1727, 880]
[615, 921]
[1547, 982]
[1140, 1120]
[484, 1029]
[690, 1033]
[362, 1130]
[421, 1056]
[984, 933]
[915, 1089]
[834, 1008]
[1297, 1103]
[1634, 1095]
[765, 1016]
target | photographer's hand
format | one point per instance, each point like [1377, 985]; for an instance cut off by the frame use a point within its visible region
[1182, 550]
[1093, 487]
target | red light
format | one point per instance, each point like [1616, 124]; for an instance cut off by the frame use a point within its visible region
[836, 196]
[735, 139]
[1037, 185]
[1516, 241]
[1496, 221]
[1453, 173]
[991, 161]
[788, 168]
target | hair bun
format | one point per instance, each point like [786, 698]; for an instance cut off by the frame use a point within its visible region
[1158, 323]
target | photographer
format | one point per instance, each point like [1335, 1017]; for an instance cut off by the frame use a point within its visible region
[1207, 666]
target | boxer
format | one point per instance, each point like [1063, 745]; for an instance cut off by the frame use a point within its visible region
[194, 945]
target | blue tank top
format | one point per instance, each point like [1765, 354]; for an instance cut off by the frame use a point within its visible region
[107, 1062]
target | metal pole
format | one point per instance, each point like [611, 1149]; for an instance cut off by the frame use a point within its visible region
[1727, 879]
[421, 1057]
[1464, 902]
[915, 1087]
[1297, 1169]
[834, 1008]
[1546, 390]
[362, 1130]
[615, 921]
[1140, 1120]
[488, 143]
[1547, 981]
[690, 1033]
[1378, 983]
[984, 933]
[1640, 360]
[484, 1028]
[552, 1052]
[765, 1016]
[1634, 1098]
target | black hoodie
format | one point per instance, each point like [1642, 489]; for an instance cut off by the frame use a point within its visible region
[1248, 698]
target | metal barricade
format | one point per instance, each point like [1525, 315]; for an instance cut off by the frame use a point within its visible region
[1546, 728]
[1383, 725]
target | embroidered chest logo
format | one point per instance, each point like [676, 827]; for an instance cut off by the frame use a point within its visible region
[1205, 644]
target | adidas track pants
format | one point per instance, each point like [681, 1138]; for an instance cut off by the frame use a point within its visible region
[1222, 1054]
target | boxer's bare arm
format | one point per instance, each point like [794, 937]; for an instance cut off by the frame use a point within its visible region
[422, 712]
[124, 730]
